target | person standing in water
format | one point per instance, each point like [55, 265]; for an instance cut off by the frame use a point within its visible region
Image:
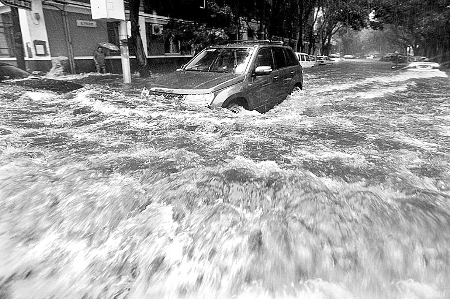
[99, 59]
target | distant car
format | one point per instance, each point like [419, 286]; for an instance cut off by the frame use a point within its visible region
[373, 56]
[323, 60]
[335, 57]
[306, 61]
[418, 58]
[247, 75]
[395, 58]
[349, 56]
[423, 65]
[13, 75]
[388, 57]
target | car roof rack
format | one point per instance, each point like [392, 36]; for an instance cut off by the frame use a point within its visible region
[260, 41]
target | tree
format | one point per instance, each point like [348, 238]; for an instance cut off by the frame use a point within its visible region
[302, 23]
[335, 15]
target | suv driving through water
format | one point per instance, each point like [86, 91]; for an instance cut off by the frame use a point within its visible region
[253, 75]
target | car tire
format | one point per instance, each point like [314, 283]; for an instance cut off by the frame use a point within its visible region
[295, 90]
[235, 108]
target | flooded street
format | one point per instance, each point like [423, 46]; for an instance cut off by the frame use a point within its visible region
[341, 191]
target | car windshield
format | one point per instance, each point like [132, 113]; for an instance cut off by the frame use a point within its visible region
[224, 60]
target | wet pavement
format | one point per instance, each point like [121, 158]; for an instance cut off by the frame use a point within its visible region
[341, 191]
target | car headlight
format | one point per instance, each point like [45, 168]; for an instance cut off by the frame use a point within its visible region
[199, 99]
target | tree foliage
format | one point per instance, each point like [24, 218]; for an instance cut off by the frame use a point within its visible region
[422, 24]
[306, 24]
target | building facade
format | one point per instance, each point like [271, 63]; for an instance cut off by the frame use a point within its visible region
[64, 31]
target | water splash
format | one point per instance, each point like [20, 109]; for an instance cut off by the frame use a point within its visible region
[338, 192]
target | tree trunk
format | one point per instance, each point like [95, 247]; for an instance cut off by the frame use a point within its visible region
[300, 29]
[18, 41]
[136, 40]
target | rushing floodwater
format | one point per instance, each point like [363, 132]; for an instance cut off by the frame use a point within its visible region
[341, 191]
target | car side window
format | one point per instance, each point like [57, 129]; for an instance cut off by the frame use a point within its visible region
[264, 58]
[290, 57]
[280, 59]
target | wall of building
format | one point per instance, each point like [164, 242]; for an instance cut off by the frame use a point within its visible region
[84, 39]
[48, 29]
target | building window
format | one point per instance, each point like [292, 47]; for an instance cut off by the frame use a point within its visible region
[6, 36]
[113, 35]
[171, 45]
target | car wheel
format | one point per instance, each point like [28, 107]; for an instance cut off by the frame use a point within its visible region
[295, 90]
[235, 108]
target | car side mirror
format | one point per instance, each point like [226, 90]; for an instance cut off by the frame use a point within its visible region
[263, 70]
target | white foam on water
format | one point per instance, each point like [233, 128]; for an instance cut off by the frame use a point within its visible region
[417, 143]
[412, 289]
[106, 107]
[38, 96]
[400, 77]
[351, 159]
[262, 168]
[71, 76]
[53, 118]
[378, 93]
[443, 130]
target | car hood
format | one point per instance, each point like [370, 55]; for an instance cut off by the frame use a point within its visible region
[192, 82]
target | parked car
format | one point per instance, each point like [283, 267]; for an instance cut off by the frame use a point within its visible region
[387, 57]
[418, 58]
[323, 60]
[423, 66]
[241, 75]
[13, 75]
[349, 56]
[336, 57]
[373, 56]
[395, 58]
[306, 61]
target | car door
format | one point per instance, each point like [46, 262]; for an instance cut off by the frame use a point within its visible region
[262, 88]
[287, 66]
[281, 76]
[292, 68]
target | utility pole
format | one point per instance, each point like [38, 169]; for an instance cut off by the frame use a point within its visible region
[124, 52]
[115, 10]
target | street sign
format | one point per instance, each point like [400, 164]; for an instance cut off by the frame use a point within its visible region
[24, 4]
[85, 23]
